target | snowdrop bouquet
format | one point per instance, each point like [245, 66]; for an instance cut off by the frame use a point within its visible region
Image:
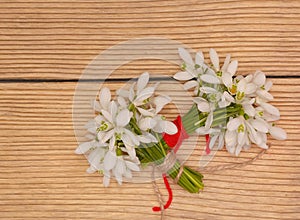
[231, 110]
[126, 133]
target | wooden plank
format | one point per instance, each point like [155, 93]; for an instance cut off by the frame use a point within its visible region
[58, 40]
[42, 178]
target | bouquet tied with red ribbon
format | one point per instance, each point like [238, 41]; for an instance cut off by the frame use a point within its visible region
[128, 132]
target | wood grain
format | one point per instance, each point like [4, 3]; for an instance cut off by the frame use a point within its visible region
[42, 177]
[46, 45]
[59, 39]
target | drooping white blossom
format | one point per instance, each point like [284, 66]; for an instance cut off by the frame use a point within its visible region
[120, 125]
[216, 87]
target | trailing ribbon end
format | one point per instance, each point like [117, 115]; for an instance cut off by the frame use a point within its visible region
[168, 203]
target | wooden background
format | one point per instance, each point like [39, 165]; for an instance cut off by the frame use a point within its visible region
[45, 46]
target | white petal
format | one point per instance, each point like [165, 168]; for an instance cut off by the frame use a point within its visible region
[263, 145]
[131, 94]
[128, 174]
[221, 141]
[123, 93]
[168, 127]
[264, 94]
[233, 124]
[249, 78]
[142, 81]
[259, 78]
[132, 136]
[238, 150]
[144, 94]
[190, 84]
[132, 166]
[120, 166]
[112, 143]
[210, 79]
[268, 84]
[113, 109]
[96, 106]
[123, 118]
[241, 138]
[202, 130]
[185, 56]
[232, 67]
[228, 97]
[106, 180]
[99, 119]
[208, 90]
[91, 169]
[183, 76]
[147, 138]
[110, 160]
[241, 86]
[146, 113]
[147, 123]
[254, 137]
[260, 125]
[270, 109]
[230, 140]
[226, 63]
[95, 157]
[160, 102]
[84, 147]
[203, 106]
[127, 142]
[223, 103]
[278, 133]
[107, 136]
[209, 120]
[251, 88]
[144, 139]
[199, 58]
[249, 110]
[104, 97]
[212, 141]
[214, 58]
[227, 79]
[107, 115]
[122, 102]
[131, 152]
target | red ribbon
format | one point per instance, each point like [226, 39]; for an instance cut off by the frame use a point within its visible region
[207, 149]
[173, 141]
[168, 187]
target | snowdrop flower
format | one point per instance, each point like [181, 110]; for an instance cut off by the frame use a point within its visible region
[164, 126]
[104, 100]
[246, 96]
[277, 133]
[112, 128]
[190, 68]
[206, 107]
[94, 152]
[139, 95]
[263, 86]
[120, 166]
[236, 136]
[194, 72]
[143, 97]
